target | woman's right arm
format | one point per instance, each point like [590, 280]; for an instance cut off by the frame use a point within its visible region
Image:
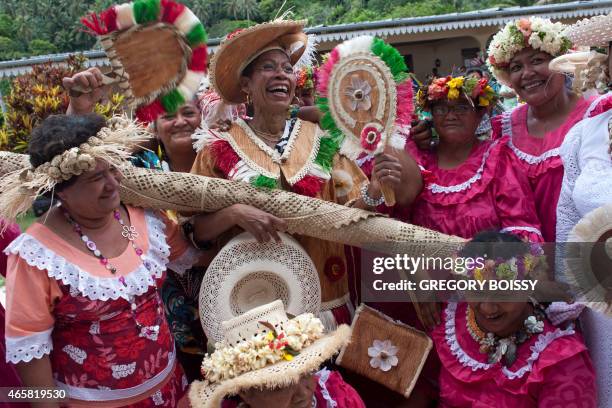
[37, 373]
[83, 103]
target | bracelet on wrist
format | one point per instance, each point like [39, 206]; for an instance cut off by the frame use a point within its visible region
[189, 230]
[369, 201]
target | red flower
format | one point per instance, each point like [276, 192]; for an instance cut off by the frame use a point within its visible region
[370, 138]
[334, 268]
[480, 86]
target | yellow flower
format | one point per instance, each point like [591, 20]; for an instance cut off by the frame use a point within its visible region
[287, 357]
[270, 336]
[483, 101]
[455, 83]
[478, 274]
[453, 93]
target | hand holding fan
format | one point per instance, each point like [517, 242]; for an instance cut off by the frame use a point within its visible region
[365, 96]
[157, 50]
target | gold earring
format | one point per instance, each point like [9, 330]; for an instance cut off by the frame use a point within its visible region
[248, 99]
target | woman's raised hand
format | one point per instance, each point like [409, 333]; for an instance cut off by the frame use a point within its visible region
[388, 170]
[260, 224]
[420, 133]
[82, 103]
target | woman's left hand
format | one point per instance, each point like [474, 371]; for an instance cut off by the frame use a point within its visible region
[388, 170]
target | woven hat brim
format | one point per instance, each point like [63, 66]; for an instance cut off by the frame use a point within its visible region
[568, 62]
[592, 32]
[577, 271]
[283, 374]
[228, 61]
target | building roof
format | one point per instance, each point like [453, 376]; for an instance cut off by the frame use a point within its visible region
[446, 22]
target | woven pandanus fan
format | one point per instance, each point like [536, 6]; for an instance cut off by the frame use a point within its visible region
[366, 96]
[157, 50]
[588, 259]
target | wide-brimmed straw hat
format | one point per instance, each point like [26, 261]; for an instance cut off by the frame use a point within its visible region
[593, 32]
[243, 46]
[264, 349]
[246, 274]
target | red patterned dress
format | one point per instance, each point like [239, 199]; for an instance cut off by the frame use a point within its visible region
[64, 303]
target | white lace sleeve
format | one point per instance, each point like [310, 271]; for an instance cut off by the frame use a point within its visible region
[185, 261]
[24, 349]
[567, 214]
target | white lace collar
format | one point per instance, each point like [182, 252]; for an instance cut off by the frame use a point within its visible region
[135, 283]
[437, 188]
[466, 360]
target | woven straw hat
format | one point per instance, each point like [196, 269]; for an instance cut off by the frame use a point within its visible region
[593, 32]
[241, 47]
[570, 63]
[246, 274]
[588, 258]
[205, 394]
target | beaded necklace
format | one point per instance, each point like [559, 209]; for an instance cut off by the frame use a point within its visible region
[128, 232]
[506, 348]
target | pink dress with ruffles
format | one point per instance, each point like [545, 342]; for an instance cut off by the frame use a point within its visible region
[485, 192]
[552, 370]
[539, 158]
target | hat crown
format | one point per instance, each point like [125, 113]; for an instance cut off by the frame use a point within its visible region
[247, 325]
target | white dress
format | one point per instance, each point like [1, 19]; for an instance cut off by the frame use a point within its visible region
[587, 185]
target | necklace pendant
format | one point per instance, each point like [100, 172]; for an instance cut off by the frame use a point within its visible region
[484, 349]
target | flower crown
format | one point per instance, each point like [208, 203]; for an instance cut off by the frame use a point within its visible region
[306, 78]
[520, 267]
[263, 349]
[477, 90]
[538, 33]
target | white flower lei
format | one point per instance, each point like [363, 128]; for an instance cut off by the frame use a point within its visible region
[262, 349]
[538, 33]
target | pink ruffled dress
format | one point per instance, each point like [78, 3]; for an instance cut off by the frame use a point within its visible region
[552, 369]
[539, 157]
[331, 391]
[485, 192]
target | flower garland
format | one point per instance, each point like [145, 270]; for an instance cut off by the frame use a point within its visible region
[394, 61]
[263, 349]
[538, 33]
[451, 88]
[121, 17]
[305, 78]
[520, 267]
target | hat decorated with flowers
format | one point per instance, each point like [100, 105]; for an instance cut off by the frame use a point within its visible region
[535, 32]
[476, 90]
[264, 348]
[157, 50]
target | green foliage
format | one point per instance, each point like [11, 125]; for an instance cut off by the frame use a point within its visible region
[58, 21]
[224, 27]
[41, 47]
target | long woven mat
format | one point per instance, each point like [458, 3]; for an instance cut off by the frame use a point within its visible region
[304, 215]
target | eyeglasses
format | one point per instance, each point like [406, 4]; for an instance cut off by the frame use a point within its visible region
[443, 110]
[271, 67]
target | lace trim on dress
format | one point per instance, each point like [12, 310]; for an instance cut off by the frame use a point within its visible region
[531, 159]
[522, 228]
[436, 188]
[24, 349]
[135, 283]
[543, 341]
[185, 261]
[323, 377]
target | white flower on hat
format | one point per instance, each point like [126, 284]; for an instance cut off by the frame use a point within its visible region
[383, 355]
